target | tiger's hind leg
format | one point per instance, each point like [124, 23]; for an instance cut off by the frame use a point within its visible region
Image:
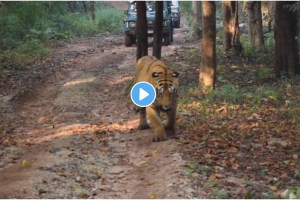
[143, 120]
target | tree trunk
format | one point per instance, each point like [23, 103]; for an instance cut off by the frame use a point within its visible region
[271, 14]
[286, 44]
[141, 30]
[72, 5]
[207, 76]
[158, 27]
[255, 25]
[93, 10]
[197, 19]
[227, 23]
[231, 27]
[84, 6]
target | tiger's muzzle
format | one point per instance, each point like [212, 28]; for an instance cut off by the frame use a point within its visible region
[166, 108]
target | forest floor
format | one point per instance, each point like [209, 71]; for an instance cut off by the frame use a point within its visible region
[68, 129]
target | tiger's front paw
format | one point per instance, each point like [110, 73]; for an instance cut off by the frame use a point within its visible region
[143, 126]
[159, 134]
[157, 138]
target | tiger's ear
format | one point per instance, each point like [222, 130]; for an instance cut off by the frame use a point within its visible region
[175, 74]
[155, 74]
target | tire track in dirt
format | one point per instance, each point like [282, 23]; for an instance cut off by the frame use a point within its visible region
[79, 137]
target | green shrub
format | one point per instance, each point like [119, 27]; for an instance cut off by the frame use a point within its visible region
[110, 20]
[10, 59]
[34, 47]
[249, 50]
[270, 42]
[10, 31]
[79, 25]
[266, 73]
[29, 27]
[186, 7]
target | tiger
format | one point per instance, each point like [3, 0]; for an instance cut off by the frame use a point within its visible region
[165, 81]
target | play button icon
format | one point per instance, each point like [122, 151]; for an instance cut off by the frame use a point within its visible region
[143, 94]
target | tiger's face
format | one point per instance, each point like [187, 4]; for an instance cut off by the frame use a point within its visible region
[166, 84]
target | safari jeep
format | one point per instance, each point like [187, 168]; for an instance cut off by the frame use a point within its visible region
[130, 22]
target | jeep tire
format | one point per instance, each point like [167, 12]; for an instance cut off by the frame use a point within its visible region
[167, 40]
[133, 39]
[128, 40]
[177, 24]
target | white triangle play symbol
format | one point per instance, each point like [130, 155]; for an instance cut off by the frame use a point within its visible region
[143, 94]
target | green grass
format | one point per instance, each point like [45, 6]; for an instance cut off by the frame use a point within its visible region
[227, 95]
[231, 94]
[221, 194]
[266, 73]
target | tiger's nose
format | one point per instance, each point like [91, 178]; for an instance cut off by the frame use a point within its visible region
[166, 108]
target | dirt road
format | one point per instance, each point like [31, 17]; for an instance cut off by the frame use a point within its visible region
[75, 135]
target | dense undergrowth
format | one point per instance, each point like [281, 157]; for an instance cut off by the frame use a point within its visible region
[28, 29]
